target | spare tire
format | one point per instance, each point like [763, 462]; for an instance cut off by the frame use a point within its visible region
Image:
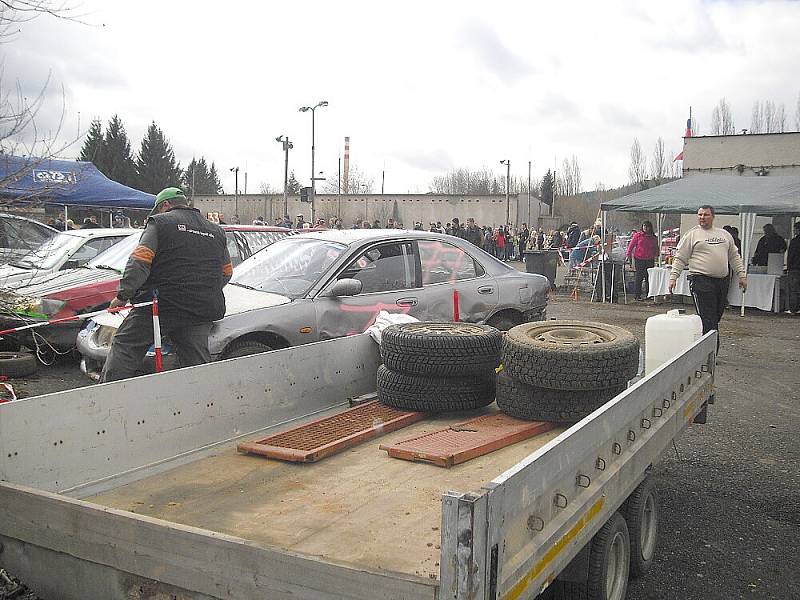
[433, 394]
[17, 364]
[571, 355]
[533, 403]
[441, 349]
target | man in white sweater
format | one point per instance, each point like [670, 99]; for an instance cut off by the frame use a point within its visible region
[710, 254]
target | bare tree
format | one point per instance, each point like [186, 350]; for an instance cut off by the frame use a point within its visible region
[358, 182]
[768, 117]
[568, 180]
[757, 118]
[658, 164]
[637, 171]
[797, 114]
[722, 119]
[674, 169]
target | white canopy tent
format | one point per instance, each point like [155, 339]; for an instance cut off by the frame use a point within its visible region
[729, 195]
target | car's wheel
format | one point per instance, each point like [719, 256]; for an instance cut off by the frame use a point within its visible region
[503, 321]
[441, 349]
[571, 355]
[532, 403]
[241, 348]
[17, 364]
[433, 394]
[641, 511]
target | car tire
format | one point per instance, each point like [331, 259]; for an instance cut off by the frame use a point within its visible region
[641, 512]
[433, 394]
[441, 349]
[17, 364]
[531, 403]
[571, 355]
[241, 348]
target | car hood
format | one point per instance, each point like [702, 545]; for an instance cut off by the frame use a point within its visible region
[10, 274]
[239, 299]
[45, 284]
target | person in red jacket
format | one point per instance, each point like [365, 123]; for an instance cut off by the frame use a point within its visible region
[644, 249]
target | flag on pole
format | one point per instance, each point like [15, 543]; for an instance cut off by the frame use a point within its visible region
[687, 133]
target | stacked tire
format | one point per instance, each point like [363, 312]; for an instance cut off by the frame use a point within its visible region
[561, 371]
[438, 367]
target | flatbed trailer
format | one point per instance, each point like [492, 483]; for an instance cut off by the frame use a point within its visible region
[134, 489]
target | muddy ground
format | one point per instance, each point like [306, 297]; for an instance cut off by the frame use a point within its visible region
[730, 520]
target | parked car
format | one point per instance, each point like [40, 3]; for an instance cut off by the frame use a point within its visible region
[333, 283]
[92, 287]
[67, 250]
[20, 235]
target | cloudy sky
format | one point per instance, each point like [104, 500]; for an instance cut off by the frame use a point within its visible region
[420, 87]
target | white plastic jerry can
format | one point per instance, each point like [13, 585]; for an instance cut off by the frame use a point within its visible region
[668, 335]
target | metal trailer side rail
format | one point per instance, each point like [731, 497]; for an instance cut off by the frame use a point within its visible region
[512, 539]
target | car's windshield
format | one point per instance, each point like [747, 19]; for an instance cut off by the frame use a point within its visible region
[117, 256]
[49, 254]
[289, 266]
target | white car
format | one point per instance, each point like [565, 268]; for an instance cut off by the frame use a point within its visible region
[20, 235]
[67, 250]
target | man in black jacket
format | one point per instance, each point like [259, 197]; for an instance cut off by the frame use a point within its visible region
[793, 272]
[183, 259]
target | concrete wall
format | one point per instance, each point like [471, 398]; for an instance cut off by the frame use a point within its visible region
[778, 153]
[407, 208]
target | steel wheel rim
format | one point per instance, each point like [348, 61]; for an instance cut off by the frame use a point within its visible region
[647, 535]
[451, 329]
[616, 573]
[571, 335]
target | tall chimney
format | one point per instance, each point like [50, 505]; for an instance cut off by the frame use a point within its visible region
[346, 174]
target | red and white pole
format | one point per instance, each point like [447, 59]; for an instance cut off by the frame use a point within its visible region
[456, 315]
[157, 335]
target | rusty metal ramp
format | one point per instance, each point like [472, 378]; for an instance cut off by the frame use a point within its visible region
[465, 441]
[329, 435]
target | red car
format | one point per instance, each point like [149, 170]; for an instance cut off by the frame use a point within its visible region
[92, 287]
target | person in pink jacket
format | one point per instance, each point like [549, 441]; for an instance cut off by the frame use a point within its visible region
[644, 249]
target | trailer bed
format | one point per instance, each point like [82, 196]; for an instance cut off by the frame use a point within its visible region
[359, 507]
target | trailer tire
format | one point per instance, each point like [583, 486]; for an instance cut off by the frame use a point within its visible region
[609, 561]
[641, 512]
[17, 364]
[433, 394]
[441, 349]
[571, 355]
[532, 403]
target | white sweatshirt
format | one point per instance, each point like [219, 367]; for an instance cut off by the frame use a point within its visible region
[707, 252]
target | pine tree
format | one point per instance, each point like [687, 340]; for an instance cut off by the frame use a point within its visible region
[93, 149]
[547, 188]
[215, 185]
[117, 160]
[293, 186]
[155, 165]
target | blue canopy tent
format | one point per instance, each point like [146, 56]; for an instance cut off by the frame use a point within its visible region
[65, 183]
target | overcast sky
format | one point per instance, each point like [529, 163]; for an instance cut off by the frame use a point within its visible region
[420, 87]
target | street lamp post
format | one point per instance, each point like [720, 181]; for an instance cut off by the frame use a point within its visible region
[507, 163]
[287, 145]
[235, 170]
[313, 110]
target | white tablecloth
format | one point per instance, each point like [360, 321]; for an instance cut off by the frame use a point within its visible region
[763, 291]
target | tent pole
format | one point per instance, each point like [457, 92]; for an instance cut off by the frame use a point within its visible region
[660, 225]
[66, 218]
[603, 250]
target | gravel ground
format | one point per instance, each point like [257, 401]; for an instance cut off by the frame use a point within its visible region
[730, 521]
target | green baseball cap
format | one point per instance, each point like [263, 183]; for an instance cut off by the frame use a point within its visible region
[167, 194]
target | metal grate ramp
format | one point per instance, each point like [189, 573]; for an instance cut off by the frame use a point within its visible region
[465, 441]
[329, 435]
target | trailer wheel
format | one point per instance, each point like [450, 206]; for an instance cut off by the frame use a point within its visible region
[641, 511]
[433, 394]
[571, 355]
[17, 364]
[609, 561]
[441, 349]
[245, 348]
[533, 403]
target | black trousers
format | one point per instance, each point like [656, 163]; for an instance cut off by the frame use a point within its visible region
[641, 275]
[710, 296]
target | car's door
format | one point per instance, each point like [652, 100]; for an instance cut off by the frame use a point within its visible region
[445, 267]
[388, 282]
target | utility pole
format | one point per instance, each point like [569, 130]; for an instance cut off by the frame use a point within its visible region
[287, 145]
[383, 179]
[236, 192]
[339, 192]
[507, 163]
[529, 194]
[313, 110]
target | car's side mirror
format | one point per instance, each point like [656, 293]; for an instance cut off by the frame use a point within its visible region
[344, 287]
